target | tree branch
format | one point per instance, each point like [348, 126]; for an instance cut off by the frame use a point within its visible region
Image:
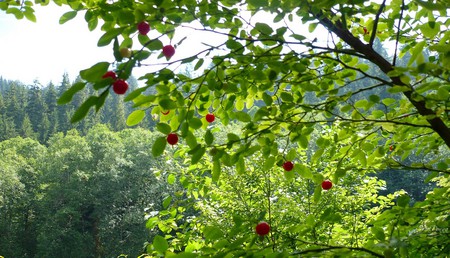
[436, 123]
[375, 23]
[398, 33]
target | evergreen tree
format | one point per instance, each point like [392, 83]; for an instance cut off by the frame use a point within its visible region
[26, 128]
[2, 104]
[13, 107]
[8, 129]
[36, 109]
[51, 96]
[64, 111]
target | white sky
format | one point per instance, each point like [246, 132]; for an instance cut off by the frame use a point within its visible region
[45, 50]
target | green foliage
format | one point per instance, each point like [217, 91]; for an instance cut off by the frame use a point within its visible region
[339, 107]
[82, 195]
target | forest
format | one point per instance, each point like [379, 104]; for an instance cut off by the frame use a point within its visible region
[273, 140]
[84, 189]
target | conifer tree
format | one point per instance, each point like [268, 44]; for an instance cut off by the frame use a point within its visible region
[26, 128]
[50, 97]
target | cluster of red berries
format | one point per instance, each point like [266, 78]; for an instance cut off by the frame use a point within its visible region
[119, 86]
[143, 27]
[288, 166]
[172, 138]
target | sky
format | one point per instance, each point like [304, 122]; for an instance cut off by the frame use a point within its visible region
[45, 50]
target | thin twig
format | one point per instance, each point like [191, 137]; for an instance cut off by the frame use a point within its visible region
[398, 33]
[375, 24]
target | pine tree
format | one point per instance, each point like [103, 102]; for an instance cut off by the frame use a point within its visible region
[64, 111]
[13, 106]
[36, 108]
[50, 97]
[116, 116]
[7, 128]
[26, 129]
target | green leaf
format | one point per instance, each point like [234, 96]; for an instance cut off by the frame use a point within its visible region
[286, 97]
[264, 28]
[160, 244]
[191, 140]
[16, 12]
[82, 111]
[167, 201]
[167, 104]
[267, 99]
[430, 29]
[303, 141]
[198, 154]
[67, 96]
[258, 3]
[135, 117]
[101, 100]
[340, 173]
[442, 166]
[232, 138]
[154, 44]
[134, 94]
[216, 171]
[67, 17]
[163, 128]
[377, 114]
[291, 154]
[362, 103]
[418, 48]
[195, 123]
[403, 200]
[303, 171]
[198, 64]
[240, 166]
[29, 14]
[269, 163]
[243, 116]
[378, 233]
[171, 179]
[158, 146]
[346, 108]
[317, 193]
[106, 38]
[389, 101]
[95, 72]
[312, 27]
[209, 137]
[212, 233]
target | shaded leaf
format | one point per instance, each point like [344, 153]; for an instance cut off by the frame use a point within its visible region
[158, 146]
[135, 117]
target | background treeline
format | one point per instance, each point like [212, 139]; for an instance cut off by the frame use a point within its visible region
[81, 190]
[31, 110]
[79, 196]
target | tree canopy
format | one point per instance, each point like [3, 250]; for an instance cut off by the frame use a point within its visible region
[341, 89]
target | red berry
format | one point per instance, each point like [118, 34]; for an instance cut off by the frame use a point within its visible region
[120, 87]
[110, 74]
[288, 165]
[262, 228]
[391, 148]
[210, 118]
[172, 138]
[365, 31]
[165, 112]
[143, 28]
[327, 184]
[168, 51]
